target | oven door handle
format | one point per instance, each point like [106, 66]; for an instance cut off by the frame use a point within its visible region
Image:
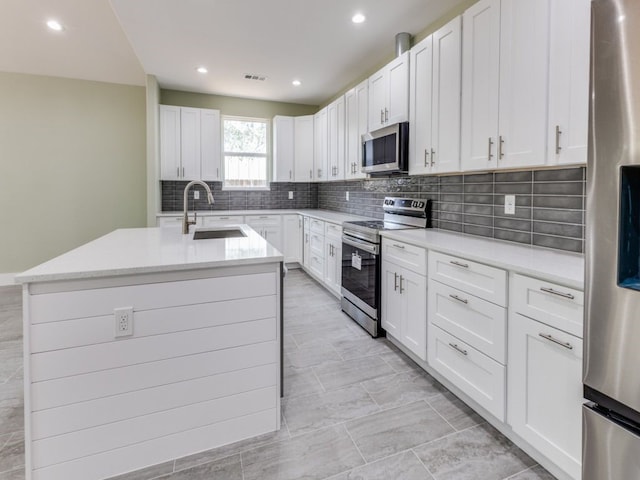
[366, 246]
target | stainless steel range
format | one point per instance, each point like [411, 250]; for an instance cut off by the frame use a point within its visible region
[361, 258]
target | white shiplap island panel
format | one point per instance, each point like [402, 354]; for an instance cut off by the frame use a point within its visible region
[201, 369]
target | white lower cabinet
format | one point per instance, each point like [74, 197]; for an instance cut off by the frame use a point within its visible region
[333, 257]
[404, 303]
[268, 226]
[292, 238]
[476, 374]
[316, 248]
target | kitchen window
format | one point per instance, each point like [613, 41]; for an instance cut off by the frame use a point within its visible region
[246, 157]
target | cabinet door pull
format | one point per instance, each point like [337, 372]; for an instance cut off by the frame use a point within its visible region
[555, 292]
[217, 172]
[178, 172]
[289, 174]
[426, 157]
[458, 349]
[461, 300]
[395, 282]
[401, 247]
[319, 173]
[310, 174]
[566, 345]
[223, 218]
[381, 116]
[458, 264]
[401, 279]
[182, 172]
[386, 115]
[433, 157]
[501, 148]
[490, 155]
[558, 133]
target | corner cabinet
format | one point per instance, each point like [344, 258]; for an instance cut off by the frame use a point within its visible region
[434, 101]
[268, 227]
[336, 138]
[292, 230]
[189, 143]
[283, 149]
[320, 150]
[356, 110]
[303, 148]
[505, 84]
[545, 369]
[389, 94]
[569, 81]
[403, 292]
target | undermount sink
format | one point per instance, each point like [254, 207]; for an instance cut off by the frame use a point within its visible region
[213, 233]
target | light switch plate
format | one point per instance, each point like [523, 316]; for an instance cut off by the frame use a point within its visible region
[347, 197]
[196, 195]
[290, 195]
[509, 204]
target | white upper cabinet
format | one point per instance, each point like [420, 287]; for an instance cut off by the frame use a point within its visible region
[480, 87]
[434, 106]
[569, 81]
[336, 138]
[303, 148]
[504, 92]
[210, 146]
[356, 113]
[524, 67]
[189, 143]
[169, 142]
[389, 94]
[320, 153]
[283, 149]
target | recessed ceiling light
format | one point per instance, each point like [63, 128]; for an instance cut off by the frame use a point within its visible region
[358, 18]
[296, 83]
[55, 25]
[202, 70]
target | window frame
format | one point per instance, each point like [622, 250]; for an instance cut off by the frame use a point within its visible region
[267, 155]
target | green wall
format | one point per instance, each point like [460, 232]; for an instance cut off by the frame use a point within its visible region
[72, 159]
[242, 107]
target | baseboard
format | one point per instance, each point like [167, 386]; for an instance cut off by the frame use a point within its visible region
[7, 279]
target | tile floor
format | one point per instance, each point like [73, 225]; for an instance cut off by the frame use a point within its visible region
[354, 408]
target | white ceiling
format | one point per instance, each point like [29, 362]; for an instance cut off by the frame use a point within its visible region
[92, 47]
[311, 40]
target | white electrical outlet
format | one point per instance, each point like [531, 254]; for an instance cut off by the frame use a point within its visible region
[123, 321]
[196, 195]
[510, 204]
[347, 197]
[290, 195]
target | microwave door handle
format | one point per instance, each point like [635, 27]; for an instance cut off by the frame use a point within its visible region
[367, 247]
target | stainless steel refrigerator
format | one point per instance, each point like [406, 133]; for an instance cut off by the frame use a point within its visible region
[611, 423]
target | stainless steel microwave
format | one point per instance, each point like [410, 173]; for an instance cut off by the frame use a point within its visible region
[386, 150]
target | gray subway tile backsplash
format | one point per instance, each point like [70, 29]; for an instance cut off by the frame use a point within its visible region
[549, 203]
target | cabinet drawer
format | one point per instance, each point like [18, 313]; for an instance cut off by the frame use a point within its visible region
[333, 230]
[221, 220]
[405, 255]
[316, 265]
[317, 226]
[481, 280]
[263, 219]
[317, 244]
[477, 375]
[481, 324]
[176, 222]
[557, 306]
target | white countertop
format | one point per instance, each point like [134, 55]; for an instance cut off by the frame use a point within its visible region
[148, 250]
[326, 215]
[551, 265]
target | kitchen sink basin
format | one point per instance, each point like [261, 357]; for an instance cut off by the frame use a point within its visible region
[218, 233]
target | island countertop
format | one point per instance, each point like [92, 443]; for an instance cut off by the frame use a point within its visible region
[135, 251]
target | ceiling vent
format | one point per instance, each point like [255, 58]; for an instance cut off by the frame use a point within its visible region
[253, 76]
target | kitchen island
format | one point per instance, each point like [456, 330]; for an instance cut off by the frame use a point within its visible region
[146, 345]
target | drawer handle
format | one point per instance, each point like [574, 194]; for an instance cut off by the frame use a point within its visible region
[458, 264]
[458, 349]
[555, 292]
[401, 289]
[462, 300]
[395, 282]
[556, 341]
[401, 247]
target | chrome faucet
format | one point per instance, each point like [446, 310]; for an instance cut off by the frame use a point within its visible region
[185, 221]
